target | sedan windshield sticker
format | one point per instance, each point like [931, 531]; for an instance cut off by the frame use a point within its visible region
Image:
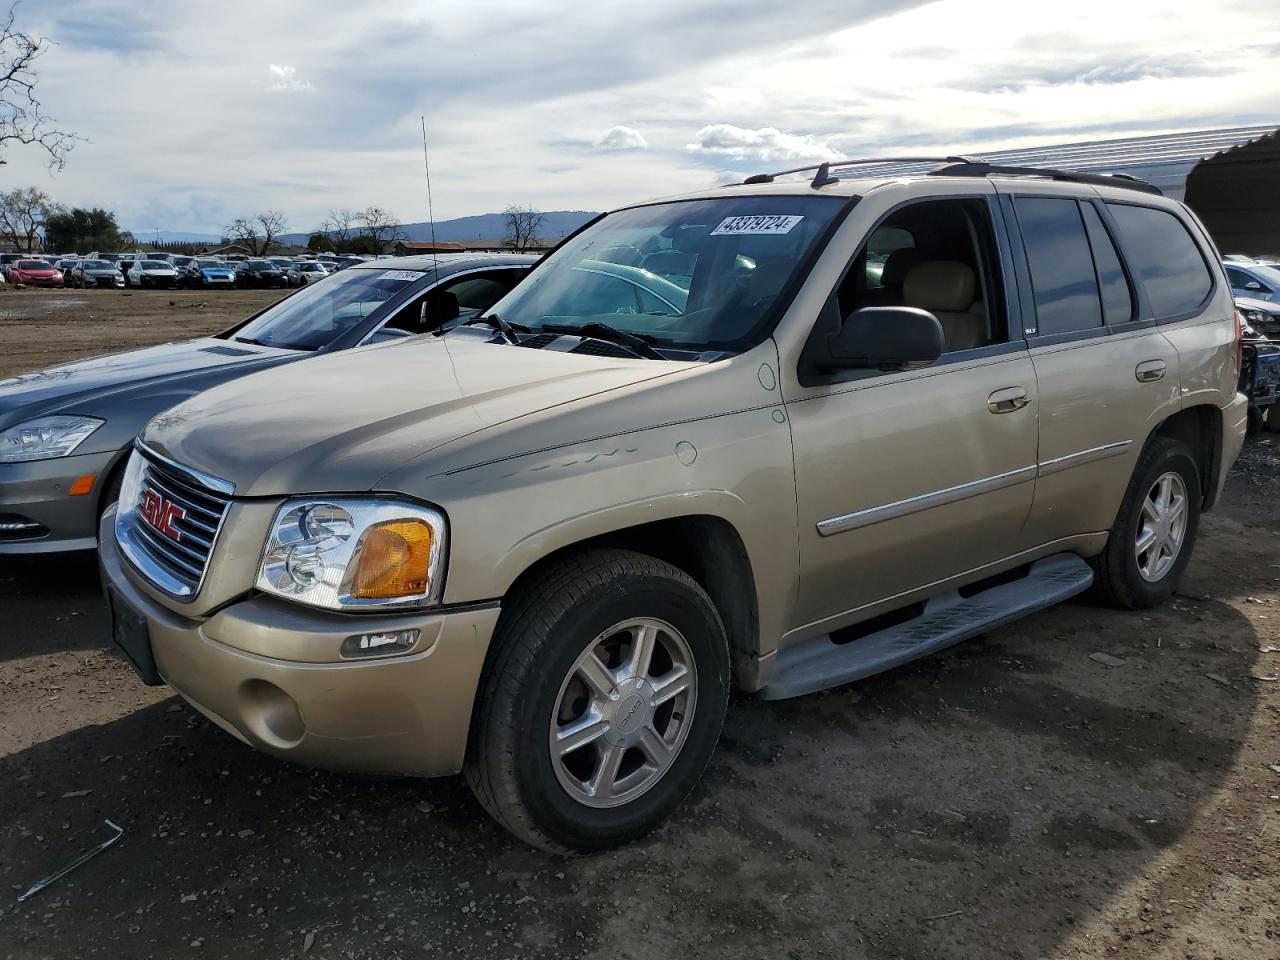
[400, 275]
[740, 226]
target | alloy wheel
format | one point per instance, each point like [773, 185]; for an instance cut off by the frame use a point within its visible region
[1162, 526]
[623, 712]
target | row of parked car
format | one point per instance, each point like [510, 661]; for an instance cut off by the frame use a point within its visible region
[168, 270]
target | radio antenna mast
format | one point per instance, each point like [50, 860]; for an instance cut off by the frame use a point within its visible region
[431, 213]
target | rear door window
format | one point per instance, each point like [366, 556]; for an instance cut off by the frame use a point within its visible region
[1062, 274]
[1164, 258]
[1117, 300]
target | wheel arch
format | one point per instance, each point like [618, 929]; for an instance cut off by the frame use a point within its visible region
[706, 547]
[1200, 428]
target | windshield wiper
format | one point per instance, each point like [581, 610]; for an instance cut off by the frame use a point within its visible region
[640, 344]
[508, 330]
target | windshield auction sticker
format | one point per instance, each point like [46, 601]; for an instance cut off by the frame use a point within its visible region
[741, 226]
[400, 275]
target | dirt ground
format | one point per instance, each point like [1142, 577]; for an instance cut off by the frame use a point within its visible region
[1011, 798]
[40, 328]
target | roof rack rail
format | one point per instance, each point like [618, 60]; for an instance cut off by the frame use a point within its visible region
[823, 176]
[984, 169]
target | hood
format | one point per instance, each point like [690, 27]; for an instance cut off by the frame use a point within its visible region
[82, 386]
[1266, 306]
[339, 423]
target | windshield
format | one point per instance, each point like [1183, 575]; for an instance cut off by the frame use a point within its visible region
[261, 265]
[1268, 275]
[318, 313]
[210, 264]
[155, 265]
[97, 265]
[32, 265]
[693, 275]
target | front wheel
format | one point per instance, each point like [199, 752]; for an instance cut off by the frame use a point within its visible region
[602, 703]
[1150, 544]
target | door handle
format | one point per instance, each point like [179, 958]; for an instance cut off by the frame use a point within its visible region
[1008, 400]
[1149, 371]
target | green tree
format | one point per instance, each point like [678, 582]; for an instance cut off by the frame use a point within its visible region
[320, 243]
[82, 231]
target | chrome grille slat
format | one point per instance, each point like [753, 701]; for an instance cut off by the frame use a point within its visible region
[168, 552]
[179, 564]
[173, 492]
[196, 557]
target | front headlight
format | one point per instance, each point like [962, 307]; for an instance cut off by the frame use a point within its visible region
[349, 553]
[45, 438]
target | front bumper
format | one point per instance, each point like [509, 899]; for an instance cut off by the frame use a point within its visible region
[36, 493]
[269, 673]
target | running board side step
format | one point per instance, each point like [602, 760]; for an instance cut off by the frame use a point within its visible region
[819, 664]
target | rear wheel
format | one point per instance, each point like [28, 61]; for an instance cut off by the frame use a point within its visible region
[1150, 544]
[603, 702]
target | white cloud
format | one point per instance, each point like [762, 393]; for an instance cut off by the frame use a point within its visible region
[621, 138]
[765, 143]
[741, 80]
[285, 78]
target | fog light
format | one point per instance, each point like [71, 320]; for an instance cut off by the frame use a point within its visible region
[386, 643]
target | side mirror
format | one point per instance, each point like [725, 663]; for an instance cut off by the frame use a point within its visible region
[387, 334]
[879, 338]
[1253, 285]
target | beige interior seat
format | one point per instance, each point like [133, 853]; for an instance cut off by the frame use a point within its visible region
[948, 290]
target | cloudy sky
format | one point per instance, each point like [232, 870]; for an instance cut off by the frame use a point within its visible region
[196, 113]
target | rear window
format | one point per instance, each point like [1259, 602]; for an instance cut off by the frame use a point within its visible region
[1062, 277]
[1164, 258]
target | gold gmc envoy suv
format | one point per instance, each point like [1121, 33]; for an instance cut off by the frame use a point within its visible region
[781, 435]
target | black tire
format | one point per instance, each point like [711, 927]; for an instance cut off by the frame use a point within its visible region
[544, 629]
[1117, 576]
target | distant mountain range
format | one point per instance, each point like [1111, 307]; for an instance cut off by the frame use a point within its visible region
[486, 226]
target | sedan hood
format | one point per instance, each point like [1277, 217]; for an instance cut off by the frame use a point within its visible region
[82, 387]
[341, 422]
[1266, 306]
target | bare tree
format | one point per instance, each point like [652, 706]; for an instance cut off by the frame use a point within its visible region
[257, 233]
[381, 227]
[523, 225]
[23, 213]
[21, 117]
[340, 225]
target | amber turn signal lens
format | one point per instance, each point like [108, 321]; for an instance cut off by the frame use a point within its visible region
[395, 561]
[82, 486]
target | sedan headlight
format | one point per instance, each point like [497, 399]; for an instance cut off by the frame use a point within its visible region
[45, 438]
[352, 553]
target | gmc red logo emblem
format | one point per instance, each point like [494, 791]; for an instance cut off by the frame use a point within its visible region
[161, 513]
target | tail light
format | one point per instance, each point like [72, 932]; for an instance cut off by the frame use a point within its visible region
[1239, 344]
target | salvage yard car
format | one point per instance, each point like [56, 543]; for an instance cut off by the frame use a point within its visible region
[94, 273]
[541, 547]
[34, 273]
[151, 273]
[65, 432]
[207, 272]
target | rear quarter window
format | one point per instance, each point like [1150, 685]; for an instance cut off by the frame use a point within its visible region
[1164, 259]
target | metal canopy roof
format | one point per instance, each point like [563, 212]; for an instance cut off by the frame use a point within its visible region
[1164, 159]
